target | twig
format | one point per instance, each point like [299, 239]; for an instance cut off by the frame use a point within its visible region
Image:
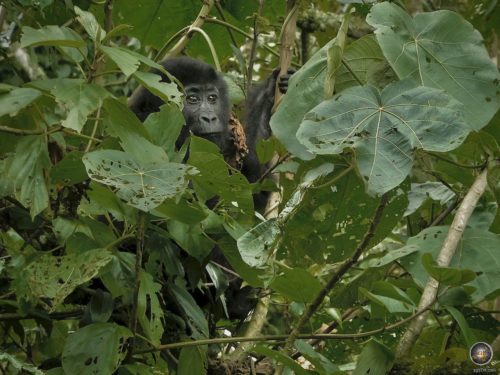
[344, 267]
[210, 45]
[108, 15]
[443, 260]
[318, 336]
[220, 10]
[253, 50]
[138, 264]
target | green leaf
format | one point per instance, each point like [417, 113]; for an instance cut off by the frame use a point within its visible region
[182, 210]
[135, 139]
[10, 360]
[25, 174]
[193, 314]
[54, 278]
[193, 361]
[17, 99]
[297, 285]
[391, 305]
[167, 91]
[282, 358]
[334, 54]
[468, 334]
[165, 127]
[478, 250]
[320, 362]
[424, 49]
[255, 245]
[149, 312]
[375, 359]
[142, 186]
[447, 275]
[90, 24]
[384, 128]
[303, 94]
[51, 36]
[95, 349]
[100, 306]
[421, 192]
[70, 170]
[79, 99]
[126, 61]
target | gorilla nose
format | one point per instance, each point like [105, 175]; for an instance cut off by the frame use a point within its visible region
[208, 119]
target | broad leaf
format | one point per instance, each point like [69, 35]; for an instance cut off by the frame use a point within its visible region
[468, 334]
[297, 284]
[127, 62]
[95, 349]
[54, 278]
[375, 359]
[478, 251]
[192, 312]
[442, 50]
[421, 192]
[167, 91]
[384, 128]
[51, 36]
[90, 24]
[447, 275]
[142, 186]
[79, 99]
[16, 99]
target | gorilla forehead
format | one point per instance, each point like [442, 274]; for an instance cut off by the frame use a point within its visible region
[190, 71]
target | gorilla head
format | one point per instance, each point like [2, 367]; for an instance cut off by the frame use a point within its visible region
[206, 107]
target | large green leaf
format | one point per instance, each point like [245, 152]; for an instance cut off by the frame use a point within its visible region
[51, 36]
[167, 91]
[54, 278]
[95, 349]
[142, 186]
[478, 251]
[384, 128]
[428, 190]
[440, 49]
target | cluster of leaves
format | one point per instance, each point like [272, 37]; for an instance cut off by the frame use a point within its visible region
[105, 234]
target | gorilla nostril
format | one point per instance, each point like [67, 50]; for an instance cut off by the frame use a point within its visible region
[209, 119]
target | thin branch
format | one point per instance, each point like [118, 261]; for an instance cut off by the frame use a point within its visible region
[53, 316]
[460, 165]
[443, 260]
[94, 130]
[341, 271]
[220, 10]
[253, 49]
[210, 45]
[141, 224]
[318, 336]
[8, 129]
[108, 15]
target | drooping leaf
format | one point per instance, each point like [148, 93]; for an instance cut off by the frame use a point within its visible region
[321, 363]
[468, 334]
[51, 36]
[384, 128]
[95, 349]
[193, 361]
[442, 50]
[191, 310]
[149, 312]
[90, 24]
[447, 275]
[25, 173]
[142, 186]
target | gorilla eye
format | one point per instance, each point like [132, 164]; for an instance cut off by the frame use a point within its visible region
[192, 99]
[212, 98]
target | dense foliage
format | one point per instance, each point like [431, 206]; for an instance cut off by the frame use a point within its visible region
[386, 160]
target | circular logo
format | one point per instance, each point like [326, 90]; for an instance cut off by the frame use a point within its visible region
[481, 353]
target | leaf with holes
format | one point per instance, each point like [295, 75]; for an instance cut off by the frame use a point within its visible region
[95, 349]
[384, 128]
[440, 49]
[144, 186]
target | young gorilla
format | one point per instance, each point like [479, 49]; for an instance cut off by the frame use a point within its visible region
[207, 112]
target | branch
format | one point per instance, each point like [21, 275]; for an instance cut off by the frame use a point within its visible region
[341, 271]
[319, 336]
[255, 42]
[445, 255]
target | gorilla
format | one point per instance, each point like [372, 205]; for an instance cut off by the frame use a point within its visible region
[207, 114]
[207, 110]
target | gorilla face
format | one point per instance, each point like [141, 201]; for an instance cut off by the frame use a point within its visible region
[204, 112]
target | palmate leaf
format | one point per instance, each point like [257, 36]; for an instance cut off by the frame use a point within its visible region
[440, 49]
[384, 128]
[143, 186]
